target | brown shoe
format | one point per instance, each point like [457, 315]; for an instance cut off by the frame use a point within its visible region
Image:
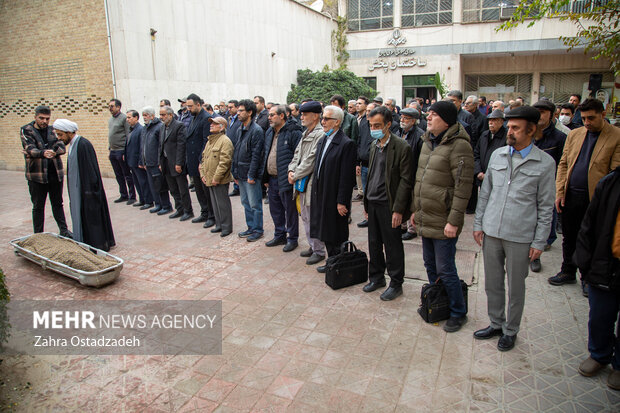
[589, 367]
[613, 381]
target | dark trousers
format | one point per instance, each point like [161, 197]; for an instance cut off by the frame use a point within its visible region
[179, 189]
[603, 345]
[123, 174]
[283, 212]
[38, 195]
[206, 209]
[141, 184]
[380, 235]
[159, 188]
[333, 248]
[473, 199]
[575, 206]
[439, 259]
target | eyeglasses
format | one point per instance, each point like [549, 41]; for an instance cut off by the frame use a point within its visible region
[326, 119]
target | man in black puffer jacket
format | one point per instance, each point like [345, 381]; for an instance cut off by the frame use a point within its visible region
[281, 139]
[597, 256]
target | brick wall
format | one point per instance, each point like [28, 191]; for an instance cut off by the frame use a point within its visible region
[54, 52]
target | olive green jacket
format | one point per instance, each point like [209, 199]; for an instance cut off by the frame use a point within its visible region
[443, 183]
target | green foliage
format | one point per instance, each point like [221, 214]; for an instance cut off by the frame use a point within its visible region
[4, 318]
[598, 30]
[340, 42]
[322, 86]
[440, 84]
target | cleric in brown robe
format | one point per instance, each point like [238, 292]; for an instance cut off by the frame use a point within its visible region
[88, 202]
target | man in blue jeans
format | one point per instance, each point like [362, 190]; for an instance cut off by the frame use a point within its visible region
[247, 167]
[442, 190]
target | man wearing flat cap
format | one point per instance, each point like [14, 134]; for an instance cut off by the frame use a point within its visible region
[87, 199]
[490, 140]
[412, 134]
[512, 222]
[442, 190]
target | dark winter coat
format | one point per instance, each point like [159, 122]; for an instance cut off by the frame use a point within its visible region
[197, 136]
[593, 254]
[288, 138]
[414, 139]
[150, 143]
[363, 144]
[173, 143]
[262, 119]
[36, 163]
[134, 146]
[350, 127]
[485, 147]
[552, 142]
[479, 125]
[332, 185]
[248, 158]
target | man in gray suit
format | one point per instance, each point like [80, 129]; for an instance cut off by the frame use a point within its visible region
[513, 218]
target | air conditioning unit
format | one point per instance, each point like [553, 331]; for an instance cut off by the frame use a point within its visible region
[506, 12]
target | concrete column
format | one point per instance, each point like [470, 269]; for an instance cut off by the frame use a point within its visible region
[535, 87]
[457, 11]
[398, 12]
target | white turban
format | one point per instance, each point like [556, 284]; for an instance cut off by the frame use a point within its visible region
[65, 125]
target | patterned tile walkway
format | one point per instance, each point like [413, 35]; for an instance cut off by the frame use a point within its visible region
[290, 342]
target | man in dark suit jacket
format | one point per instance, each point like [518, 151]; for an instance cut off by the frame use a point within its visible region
[132, 157]
[333, 180]
[262, 118]
[172, 163]
[197, 137]
[490, 140]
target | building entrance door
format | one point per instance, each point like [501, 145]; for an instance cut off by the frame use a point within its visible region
[421, 86]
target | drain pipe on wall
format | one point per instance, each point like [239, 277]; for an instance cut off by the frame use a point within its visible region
[107, 23]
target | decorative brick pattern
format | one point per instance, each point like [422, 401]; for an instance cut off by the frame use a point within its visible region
[93, 105]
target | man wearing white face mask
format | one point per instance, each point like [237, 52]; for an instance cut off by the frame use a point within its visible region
[567, 113]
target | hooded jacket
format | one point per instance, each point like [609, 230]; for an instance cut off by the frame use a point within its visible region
[288, 138]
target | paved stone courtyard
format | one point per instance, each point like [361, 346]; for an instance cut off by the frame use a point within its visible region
[290, 342]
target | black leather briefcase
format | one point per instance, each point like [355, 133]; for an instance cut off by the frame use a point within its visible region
[348, 268]
[434, 301]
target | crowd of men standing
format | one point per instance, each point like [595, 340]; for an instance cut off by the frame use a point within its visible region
[524, 171]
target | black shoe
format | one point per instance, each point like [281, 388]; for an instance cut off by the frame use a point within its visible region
[314, 259]
[193, 189]
[164, 211]
[535, 265]
[306, 253]
[290, 246]
[138, 204]
[362, 224]
[216, 230]
[199, 219]
[584, 289]
[255, 237]
[408, 236]
[225, 233]
[178, 213]
[121, 199]
[454, 324]
[506, 342]
[349, 220]
[275, 242]
[66, 233]
[322, 269]
[146, 206]
[246, 233]
[190, 186]
[562, 278]
[391, 293]
[235, 192]
[357, 198]
[266, 201]
[486, 333]
[372, 286]
[187, 216]
[154, 210]
[209, 223]
[131, 201]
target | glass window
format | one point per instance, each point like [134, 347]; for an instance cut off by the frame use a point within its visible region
[500, 86]
[426, 12]
[372, 81]
[370, 14]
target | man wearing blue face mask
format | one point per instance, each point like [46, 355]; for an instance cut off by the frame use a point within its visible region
[387, 199]
[332, 183]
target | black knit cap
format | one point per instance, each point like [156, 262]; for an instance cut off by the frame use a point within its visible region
[529, 113]
[446, 111]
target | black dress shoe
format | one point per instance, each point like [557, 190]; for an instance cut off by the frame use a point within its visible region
[506, 342]
[186, 216]
[146, 206]
[290, 246]
[209, 223]
[154, 210]
[275, 242]
[487, 333]
[391, 293]
[322, 269]
[408, 236]
[535, 265]
[178, 213]
[235, 192]
[198, 219]
[121, 199]
[225, 233]
[454, 324]
[66, 233]
[216, 230]
[372, 286]
[306, 253]
[138, 204]
[164, 211]
[314, 259]
[131, 201]
[362, 224]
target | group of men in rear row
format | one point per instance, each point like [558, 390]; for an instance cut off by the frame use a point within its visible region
[419, 173]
